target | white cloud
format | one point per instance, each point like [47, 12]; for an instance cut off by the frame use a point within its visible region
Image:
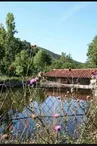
[70, 12]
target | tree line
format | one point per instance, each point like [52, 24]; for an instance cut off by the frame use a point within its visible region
[18, 57]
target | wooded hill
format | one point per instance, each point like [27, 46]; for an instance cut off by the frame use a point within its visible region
[54, 55]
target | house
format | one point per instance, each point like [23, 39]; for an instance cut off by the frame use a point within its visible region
[71, 76]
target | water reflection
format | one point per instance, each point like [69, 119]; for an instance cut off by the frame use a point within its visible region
[41, 106]
[49, 107]
[17, 99]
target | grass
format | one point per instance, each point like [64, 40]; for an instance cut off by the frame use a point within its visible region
[7, 78]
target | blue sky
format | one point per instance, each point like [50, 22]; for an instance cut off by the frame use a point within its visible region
[57, 26]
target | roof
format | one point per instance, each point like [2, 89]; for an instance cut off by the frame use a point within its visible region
[77, 73]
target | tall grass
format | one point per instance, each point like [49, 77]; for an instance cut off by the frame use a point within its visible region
[44, 131]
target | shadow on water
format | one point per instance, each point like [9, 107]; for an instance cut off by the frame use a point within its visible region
[13, 101]
[19, 104]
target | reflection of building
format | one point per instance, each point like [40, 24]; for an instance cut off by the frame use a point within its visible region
[66, 76]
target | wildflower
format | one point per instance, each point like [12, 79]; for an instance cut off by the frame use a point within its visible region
[56, 115]
[33, 116]
[88, 97]
[58, 127]
[4, 136]
[81, 99]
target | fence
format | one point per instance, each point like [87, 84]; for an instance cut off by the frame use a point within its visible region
[28, 116]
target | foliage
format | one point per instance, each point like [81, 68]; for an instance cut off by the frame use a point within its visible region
[23, 64]
[41, 59]
[92, 52]
[53, 55]
[13, 50]
[10, 26]
[65, 61]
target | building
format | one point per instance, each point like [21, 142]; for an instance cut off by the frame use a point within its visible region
[78, 82]
[71, 76]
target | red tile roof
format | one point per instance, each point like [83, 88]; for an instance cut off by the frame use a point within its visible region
[77, 73]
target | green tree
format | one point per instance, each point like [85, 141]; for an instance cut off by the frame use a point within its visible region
[63, 57]
[23, 65]
[92, 52]
[2, 35]
[2, 45]
[66, 61]
[10, 42]
[88, 64]
[57, 64]
[10, 23]
[10, 46]
[41, 59]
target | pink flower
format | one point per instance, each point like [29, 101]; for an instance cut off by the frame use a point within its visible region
[58, 127]
[56, 115]
[4, 136]
[81, 100]
[88, 97]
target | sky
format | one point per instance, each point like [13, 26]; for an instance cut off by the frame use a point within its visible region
[67, 27]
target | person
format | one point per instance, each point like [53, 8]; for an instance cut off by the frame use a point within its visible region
[33, 82]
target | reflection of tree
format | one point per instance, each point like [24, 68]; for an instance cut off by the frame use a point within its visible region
[16, 100]
[7, 122]
[38, 95]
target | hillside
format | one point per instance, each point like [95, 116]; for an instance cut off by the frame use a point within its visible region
[52, 54]
[57, 56]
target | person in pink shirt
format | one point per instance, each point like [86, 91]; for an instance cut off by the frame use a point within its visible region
[33, 81]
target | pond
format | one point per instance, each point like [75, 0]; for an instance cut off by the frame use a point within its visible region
[67, 109]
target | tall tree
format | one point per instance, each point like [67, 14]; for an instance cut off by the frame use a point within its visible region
[3, 44]
[11, 42]
[41, 59]
[23, 65]
[2, 41]
[10, 23]
[92, 52]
